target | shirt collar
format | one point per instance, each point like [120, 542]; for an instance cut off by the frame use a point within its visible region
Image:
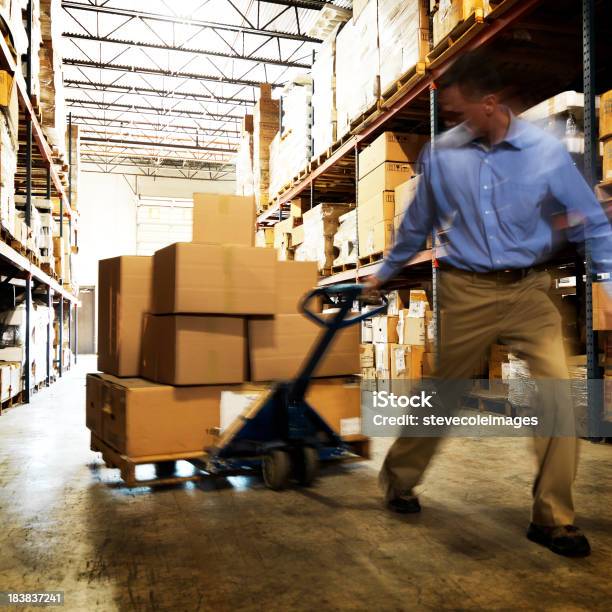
[514, 136]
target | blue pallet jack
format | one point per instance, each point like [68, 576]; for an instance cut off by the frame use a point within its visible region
[281, 433]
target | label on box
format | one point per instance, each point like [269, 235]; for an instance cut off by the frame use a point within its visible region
[350, 427]
[400, 360]
[233, 405]
[416, 310]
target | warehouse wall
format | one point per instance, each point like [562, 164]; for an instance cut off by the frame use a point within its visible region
[107, 225]
[107, 205]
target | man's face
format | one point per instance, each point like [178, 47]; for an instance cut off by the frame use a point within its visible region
[457, 107]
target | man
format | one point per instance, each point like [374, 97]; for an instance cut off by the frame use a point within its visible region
[489, 187]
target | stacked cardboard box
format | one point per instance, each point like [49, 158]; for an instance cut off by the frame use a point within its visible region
[8, 169]
[605, 133]
[282, 241]
[387, 163]
[291, 148]
[266, 125]
[194, 320]
[320, 225]
[602, 305]
[345, 239]
[403, 37]
[244, 159]
[397, 348]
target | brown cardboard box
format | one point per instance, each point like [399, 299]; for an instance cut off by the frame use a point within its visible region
[384, 329]
[607, 159]
[294, 279]
[297, 235]
[605, 115]
[124, 295]
[385, 177]
[602, 305]
[193, 350]
[144, 419]
[411, 330]
[450, 14]
[93, 399]
[366, 356]
[404, 196]
[406, 361]
[390, 146]
[197, 278]
[338, 402]
[224, 219]
[278, 347]
[375, 223]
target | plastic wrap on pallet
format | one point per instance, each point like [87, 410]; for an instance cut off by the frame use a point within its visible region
[244, 165]
[8, 169]
[357, 67]
[521, 386]
[451, 13]
[324, 97]
[320, 225]
[291, 148]
[345, 239]
[10, 380]
[403, 37]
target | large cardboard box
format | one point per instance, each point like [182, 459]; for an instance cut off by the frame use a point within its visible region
[294, 279]
[224, 219]
[279, 346]
[197, 278]
[193, 350]
[375, 223]
[404, 196]
[605, 115]
[602, 305]
[338, 402]
[144, 419]
[385, 177]
[411, 329]
[124, 295]
[406, 361]
[390, 146]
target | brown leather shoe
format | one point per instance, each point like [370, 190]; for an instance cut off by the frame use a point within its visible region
[566, 540]
[404, 504]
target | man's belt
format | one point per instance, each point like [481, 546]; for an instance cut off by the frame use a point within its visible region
[511, 275]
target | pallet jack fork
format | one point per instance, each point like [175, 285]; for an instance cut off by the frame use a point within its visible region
[281, 431]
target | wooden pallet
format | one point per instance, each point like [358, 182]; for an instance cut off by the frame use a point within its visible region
[459, 36]
[12, 401]
[324, 272]
[487, 401]
[364, 260]
[404, 81]
[344, 267]
[127, 465]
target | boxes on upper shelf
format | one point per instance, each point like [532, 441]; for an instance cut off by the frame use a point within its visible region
[279, 346]
[391, 147]
[375, 226]
[193, 350]
[404, 196]
[224, 219]
[124, 295]
[198, 278]
[451, 13]
[385, 177]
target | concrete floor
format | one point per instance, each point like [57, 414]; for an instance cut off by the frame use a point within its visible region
[66, 525]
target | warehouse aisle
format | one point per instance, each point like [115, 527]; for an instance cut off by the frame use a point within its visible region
[67, 526]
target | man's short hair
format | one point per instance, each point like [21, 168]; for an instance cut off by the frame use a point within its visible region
[475, 73]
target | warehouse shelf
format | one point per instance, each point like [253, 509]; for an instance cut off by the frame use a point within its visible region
[402, 105]
[40, 172]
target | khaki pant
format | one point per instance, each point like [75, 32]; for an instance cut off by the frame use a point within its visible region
[476, 311]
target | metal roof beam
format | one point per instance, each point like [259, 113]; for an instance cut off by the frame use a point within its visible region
[109, 10]
[166, 47]
[144, 91]
[146, 110]
[69, 61]
[145, 126]
[155, 144]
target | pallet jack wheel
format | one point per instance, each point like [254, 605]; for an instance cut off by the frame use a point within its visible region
[276, 468]
[165, 469]
[308, 466]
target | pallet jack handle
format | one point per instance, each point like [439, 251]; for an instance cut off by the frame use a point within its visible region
[342, 296]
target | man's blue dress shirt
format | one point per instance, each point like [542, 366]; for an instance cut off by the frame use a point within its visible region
[494, 208]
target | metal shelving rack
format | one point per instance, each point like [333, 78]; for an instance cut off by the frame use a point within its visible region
[505, 14]
[20, 266]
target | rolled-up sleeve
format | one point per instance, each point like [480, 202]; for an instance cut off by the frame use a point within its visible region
[415, 226]
[585, 215]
